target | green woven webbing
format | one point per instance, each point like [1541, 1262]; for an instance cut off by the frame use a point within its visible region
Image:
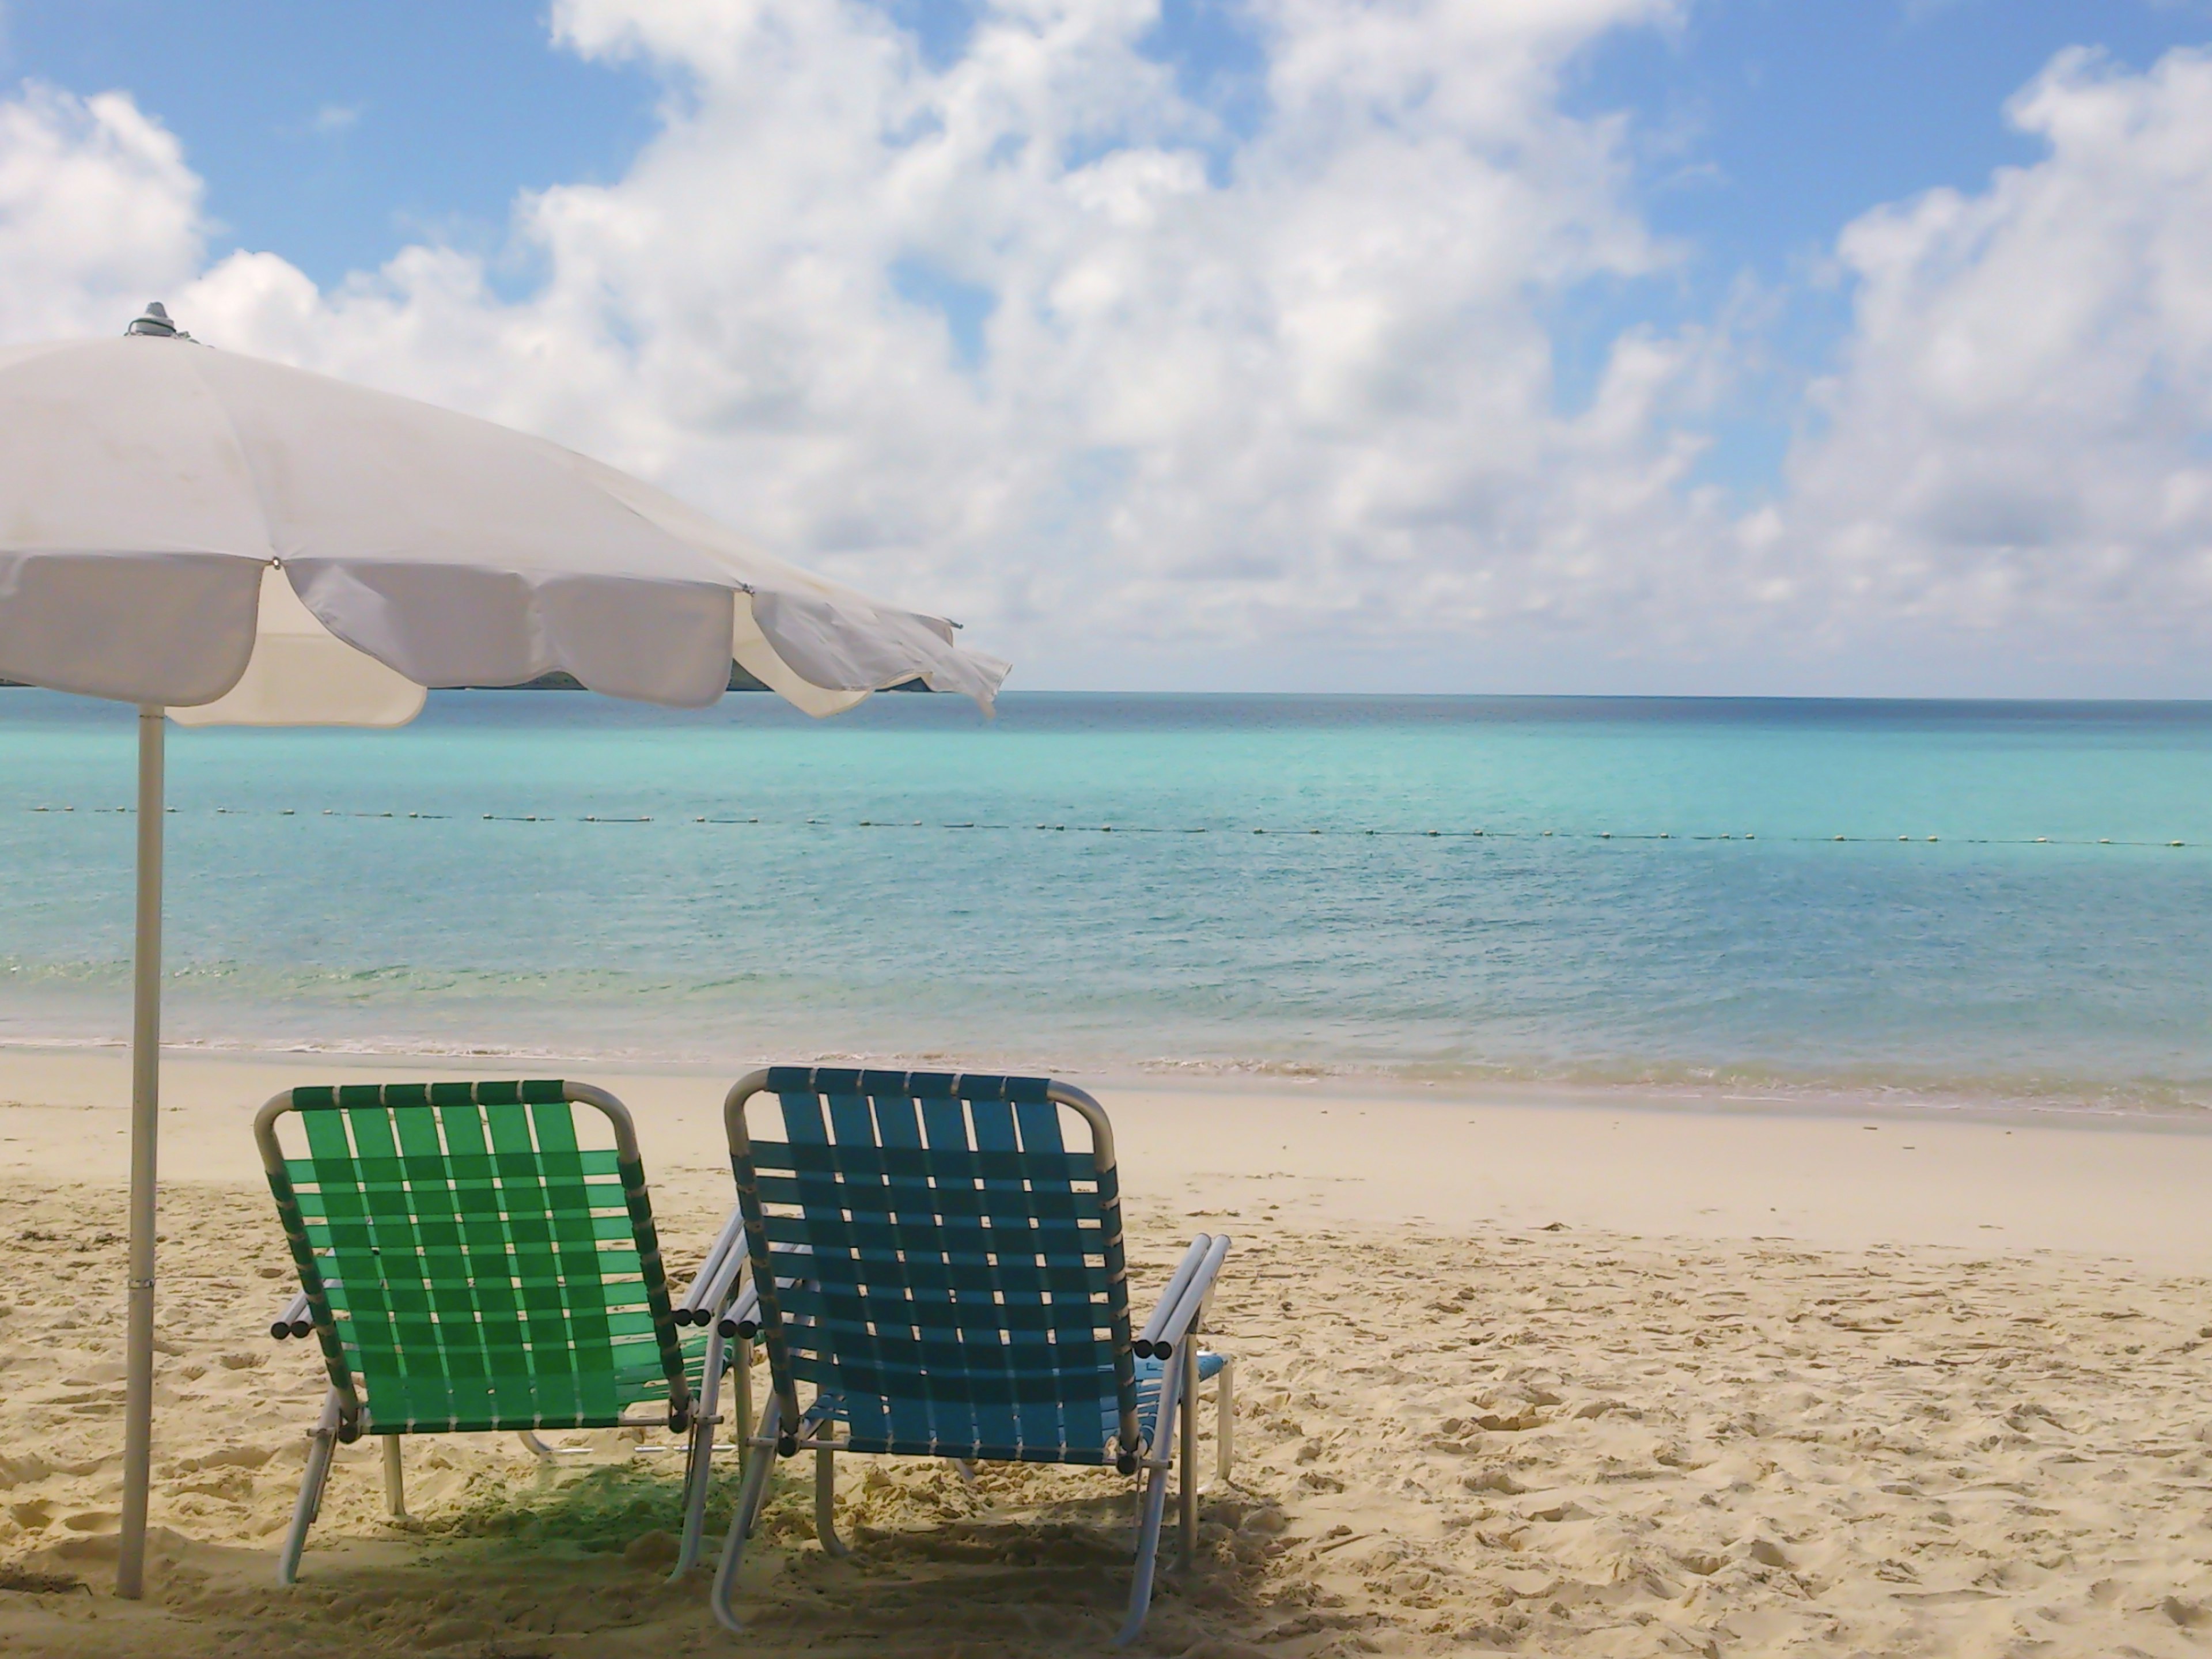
[472, 1265]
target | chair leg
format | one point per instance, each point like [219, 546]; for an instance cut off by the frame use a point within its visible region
[751, 1514]
[1152, 1510]
[1224, 1431]
[1187, 1455]
[395, 1480]
[750, 1495]
[320, 1443]
[826, 1502]
[744, 1370]
[700, 1474]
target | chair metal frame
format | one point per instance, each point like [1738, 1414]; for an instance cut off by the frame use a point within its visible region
[1170, 1337]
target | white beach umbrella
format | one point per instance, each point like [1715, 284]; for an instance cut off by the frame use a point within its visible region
[224, 541]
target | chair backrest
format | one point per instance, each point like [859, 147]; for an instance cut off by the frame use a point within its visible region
[930, 1248]
[466, 1256]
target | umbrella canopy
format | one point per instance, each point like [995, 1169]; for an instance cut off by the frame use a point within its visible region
[223, 541]
[197, 531]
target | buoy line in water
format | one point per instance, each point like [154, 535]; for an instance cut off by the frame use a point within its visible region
[1151, 830]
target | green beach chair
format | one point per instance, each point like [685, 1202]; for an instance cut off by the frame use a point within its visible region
[480, 1257]
[943, 1268]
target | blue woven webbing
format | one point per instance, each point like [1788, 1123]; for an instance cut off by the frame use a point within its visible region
[946, 1273]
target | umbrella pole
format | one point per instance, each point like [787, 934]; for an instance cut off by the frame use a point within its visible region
[145, 1125]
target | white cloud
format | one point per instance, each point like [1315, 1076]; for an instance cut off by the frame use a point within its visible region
[2019, 440]
[1230, 389]
[1032, 336]
[333, 118]
[98, 213]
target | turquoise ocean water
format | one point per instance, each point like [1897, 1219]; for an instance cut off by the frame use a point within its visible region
[1593, 891]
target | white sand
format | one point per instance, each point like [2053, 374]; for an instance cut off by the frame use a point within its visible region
[1812, 1382]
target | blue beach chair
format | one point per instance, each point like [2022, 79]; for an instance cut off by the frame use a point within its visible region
[933, 1258]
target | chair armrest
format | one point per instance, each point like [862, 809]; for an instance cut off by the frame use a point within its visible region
[742, 1317]
[711, 1287]
[294, 1319]
[1192, 1258]
[1184, 1298]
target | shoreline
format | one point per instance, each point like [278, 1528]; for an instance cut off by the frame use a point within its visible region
[1847, 1175]
[2132, 1103]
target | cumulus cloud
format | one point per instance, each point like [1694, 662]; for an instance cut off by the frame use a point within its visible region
[2019, 439]
[97, 210]
[1140, 386]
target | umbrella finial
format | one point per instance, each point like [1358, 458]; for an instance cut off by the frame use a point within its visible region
[155, 320]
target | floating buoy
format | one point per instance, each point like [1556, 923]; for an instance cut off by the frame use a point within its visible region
[2171, 844]
[1905, 838]
[1839, 838]
[2041, 840]
[1931, 837]
[1605, 834]
[1548, 832]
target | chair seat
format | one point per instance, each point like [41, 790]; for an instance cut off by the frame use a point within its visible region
[1149, 1373]
[997, 1434]
[590, 1398]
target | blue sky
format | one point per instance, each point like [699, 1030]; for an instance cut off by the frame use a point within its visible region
[1727, 296]
[1771, 123]
[337, 134]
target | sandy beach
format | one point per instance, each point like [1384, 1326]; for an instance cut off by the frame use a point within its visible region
[1566, 1374]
